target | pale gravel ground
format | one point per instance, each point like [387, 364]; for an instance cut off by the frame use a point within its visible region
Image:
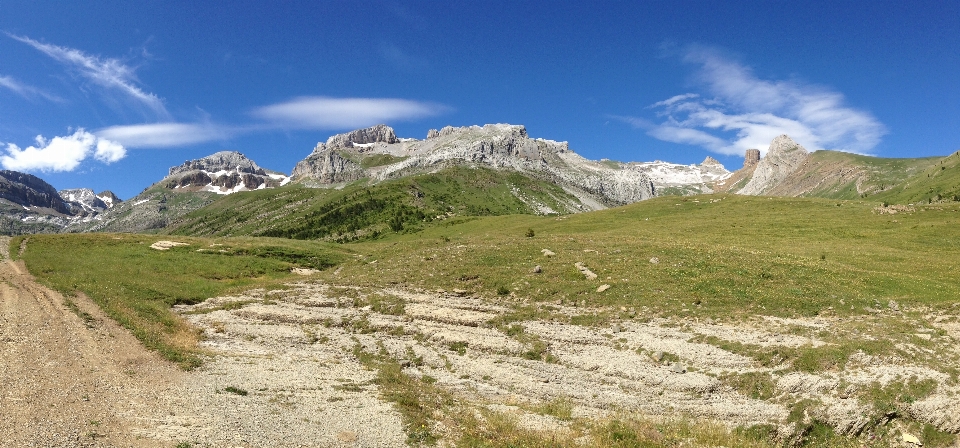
[602, 370]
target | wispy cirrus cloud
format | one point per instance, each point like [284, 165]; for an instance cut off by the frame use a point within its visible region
[324, 113]
[166, 135]
[757, 110]
[306, 113]
[25, 90]
[110, 74]
[61, 153]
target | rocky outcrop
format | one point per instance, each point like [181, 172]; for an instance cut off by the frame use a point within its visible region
[783, 158]
[499, 146]
[751, 158]
[375, 134]
[27, 190]
[327, 166]
[190, 179]
[221, 161]
[231, 181]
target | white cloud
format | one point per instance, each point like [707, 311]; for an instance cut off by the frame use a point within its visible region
[163, 135]
[106, 72]
[108, 151]
[674, 99]
[315, 113]
[755, 111]
[61, 153]
[344, 113]
[24, 90]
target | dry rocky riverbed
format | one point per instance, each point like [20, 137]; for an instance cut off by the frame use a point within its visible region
[292, 349]
[282, 369]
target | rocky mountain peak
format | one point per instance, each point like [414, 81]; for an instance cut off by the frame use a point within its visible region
[85, 198]
[224, 172]
[498, 146]
[221, 161]
[783, 145]
[109, 198]
[380, 133]
[710, 161]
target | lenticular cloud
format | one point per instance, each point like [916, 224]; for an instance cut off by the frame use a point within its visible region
[61, 153]
[757, 110]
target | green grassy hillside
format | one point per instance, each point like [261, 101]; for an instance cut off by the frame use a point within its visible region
[842, 175]
[361, 211]
[727, 254]
[716, 255]
[937, 182]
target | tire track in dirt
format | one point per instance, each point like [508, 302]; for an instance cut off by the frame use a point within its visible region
[69, 381]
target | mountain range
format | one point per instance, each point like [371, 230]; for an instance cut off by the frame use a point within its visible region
[377, 181]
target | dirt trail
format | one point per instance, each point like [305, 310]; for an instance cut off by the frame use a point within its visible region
[66, 380]
[75, 378]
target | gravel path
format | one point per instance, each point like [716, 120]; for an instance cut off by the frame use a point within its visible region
[66, 381]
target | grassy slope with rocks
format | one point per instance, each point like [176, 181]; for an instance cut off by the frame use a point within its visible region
[150, 211]
[937, 182]
[137, 285]
[362, 211]
[723, 258]
[731, 254]
[842, 175]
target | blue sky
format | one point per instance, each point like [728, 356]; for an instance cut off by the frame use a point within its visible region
[120, 91]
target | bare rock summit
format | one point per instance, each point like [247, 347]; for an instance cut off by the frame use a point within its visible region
[783, 158]
[220, 161]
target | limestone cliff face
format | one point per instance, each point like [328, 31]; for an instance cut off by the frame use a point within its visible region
[499, 146]
[375, 134]
[751, 158]
[221, 161]
[782, 159]
[223, 172]
[27, 190]
[327, 166]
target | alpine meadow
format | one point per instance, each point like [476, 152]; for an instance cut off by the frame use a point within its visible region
[322, 225]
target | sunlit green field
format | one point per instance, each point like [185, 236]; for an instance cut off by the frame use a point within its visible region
[720, 256]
